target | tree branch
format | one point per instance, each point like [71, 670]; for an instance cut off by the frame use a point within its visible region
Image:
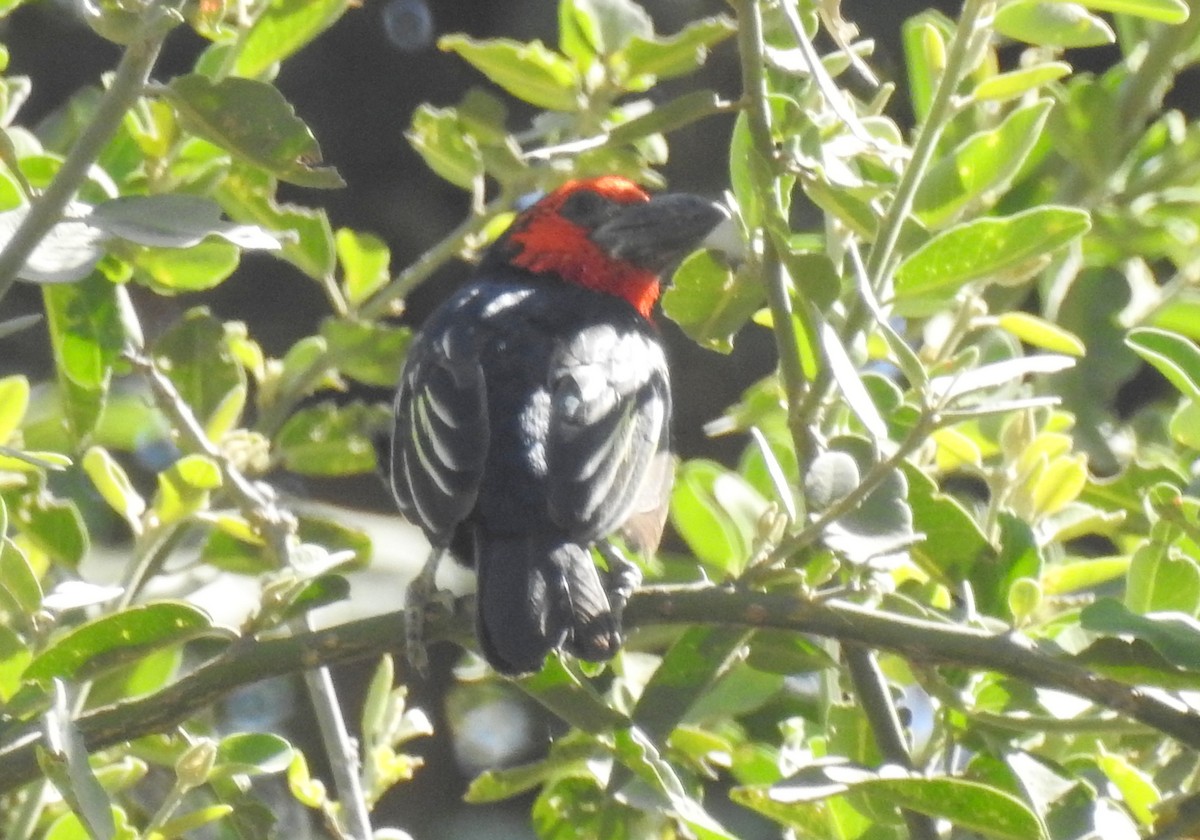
[127, 84]
[916, 639]
[876, 699]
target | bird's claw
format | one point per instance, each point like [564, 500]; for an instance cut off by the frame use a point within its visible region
[623, 578]
[422, 592]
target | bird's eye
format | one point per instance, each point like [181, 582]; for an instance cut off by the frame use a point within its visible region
[587, 208]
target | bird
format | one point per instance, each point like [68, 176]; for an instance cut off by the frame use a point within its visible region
[532, 418]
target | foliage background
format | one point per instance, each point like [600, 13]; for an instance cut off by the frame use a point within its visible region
[1092, 153]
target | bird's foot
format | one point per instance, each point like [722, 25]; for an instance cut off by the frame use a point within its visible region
[422, 592]
[623, 578]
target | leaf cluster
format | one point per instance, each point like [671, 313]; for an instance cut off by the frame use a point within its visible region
[942, 446]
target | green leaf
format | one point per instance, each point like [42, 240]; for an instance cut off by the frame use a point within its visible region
[116, 640]
[248, 194]
[530, 72]
[331, 440]
[1137, 787]
[253, 121]
[739, 691]
[880, 524]
[608, 25]
[174, 221]
[853, 392]
[786, 654]
[954, 542]
[666, 57]
[369, 351]
[439, 138]
[924, 37]
[1164, 11]
[1184, 425]
[1052, 24]
[183, 488]
[64, 761]
[301, 365]
[68, 252]
[365, 260]
[14, 401]
[1135, 662]
[577, 35]
[1161, 578]
[1041, 333]
[638, 753]
[968, 805]
[319, 592]
[303, 786]
[226, 552]
[55, 526]
[282, 29]
[576, 702]
[567, 757]
[686, 673]
[377, 699]
[196, 269]
[337, 537]
[1172, 355]
[87, 334]
[711, 303]
[253, 753]
[1175, 636]
[1016, 83]
[185, 824]
[1019, 557]
[980, 169]
[1083, 574]
[716, 512]
[987, 247]
[138, 679]
[195, 355]
[15, 657]
[810, 818]
[18, 578]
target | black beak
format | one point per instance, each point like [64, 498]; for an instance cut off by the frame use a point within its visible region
[658, 233]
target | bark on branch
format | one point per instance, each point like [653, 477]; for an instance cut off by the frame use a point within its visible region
[916, 639]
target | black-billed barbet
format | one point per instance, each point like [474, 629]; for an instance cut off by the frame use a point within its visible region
[533, 416]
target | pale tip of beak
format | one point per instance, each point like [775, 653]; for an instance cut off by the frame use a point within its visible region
[726, 238]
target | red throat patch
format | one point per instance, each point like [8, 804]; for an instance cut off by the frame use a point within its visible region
[550, 243]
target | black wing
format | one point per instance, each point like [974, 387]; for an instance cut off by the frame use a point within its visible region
[440, 440]
[610, 405]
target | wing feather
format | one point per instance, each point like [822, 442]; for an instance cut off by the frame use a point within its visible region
[610, 406]
[439, 442]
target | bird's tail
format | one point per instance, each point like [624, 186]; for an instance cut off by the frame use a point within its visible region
[537, 594]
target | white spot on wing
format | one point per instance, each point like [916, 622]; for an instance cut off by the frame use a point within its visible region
[535, 418]
[504, 301]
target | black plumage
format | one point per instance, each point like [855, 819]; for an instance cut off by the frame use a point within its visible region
[532, 420]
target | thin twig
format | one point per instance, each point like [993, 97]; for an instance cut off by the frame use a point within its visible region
[779, 300]
[876, 701]
[279, 528]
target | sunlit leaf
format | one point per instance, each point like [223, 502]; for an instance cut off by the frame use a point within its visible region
[530, 72]
[986, 247]
[1059, 24]
[281, 29]
[119, 639]
[1172, 355]
[710, 302]
[252, 120]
